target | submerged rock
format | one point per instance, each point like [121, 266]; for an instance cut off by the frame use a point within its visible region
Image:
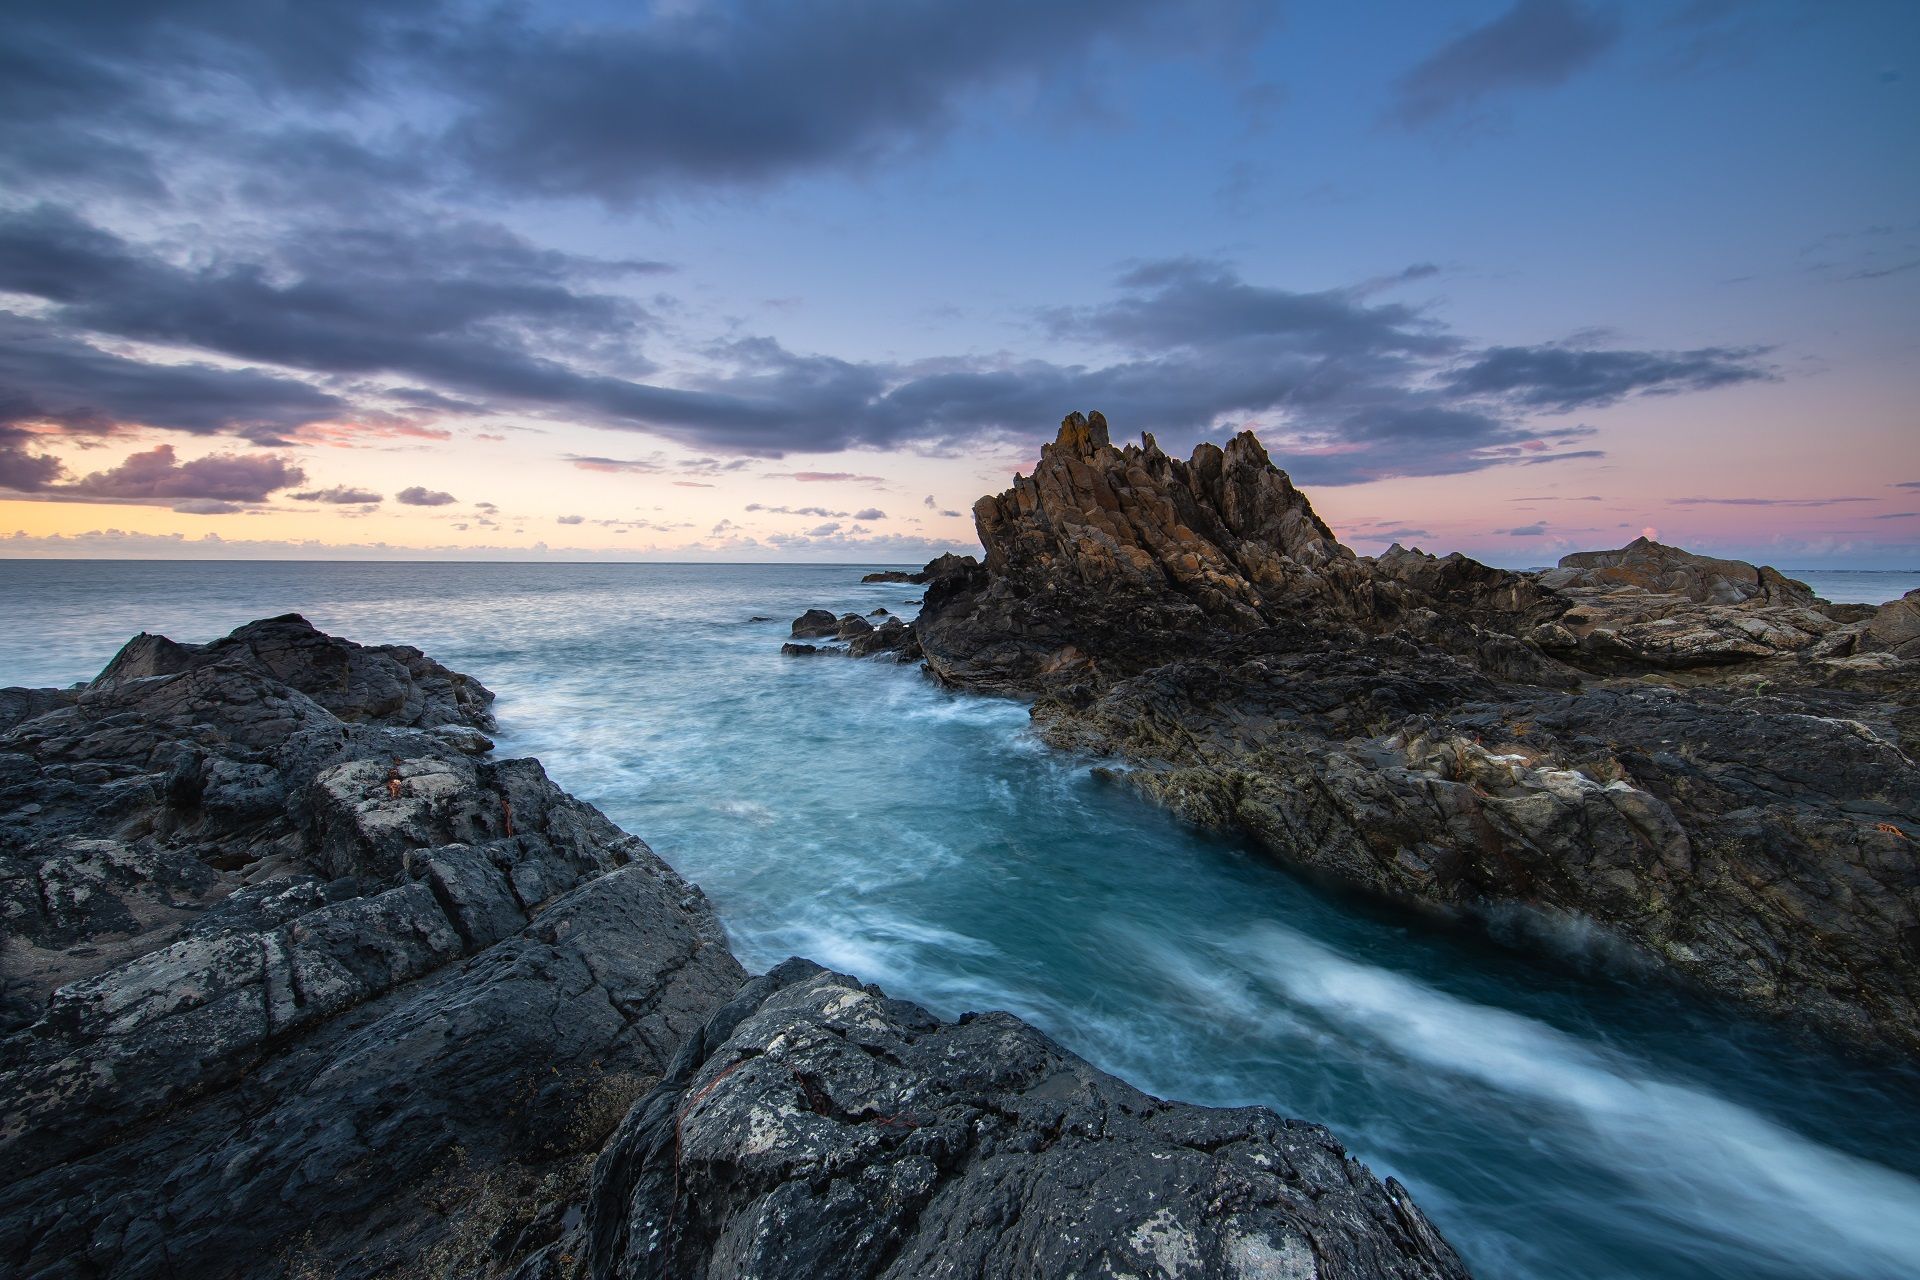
[1720, 774]
[293, 993]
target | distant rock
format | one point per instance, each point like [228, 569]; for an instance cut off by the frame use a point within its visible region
[892, 637]
[892, 575]
[1648, 605]
[1662, 570]
[815, 623]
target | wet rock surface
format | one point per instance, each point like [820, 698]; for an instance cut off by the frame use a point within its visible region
[1697, 755]
[300, 981]
[818, 1128]
[892, 638]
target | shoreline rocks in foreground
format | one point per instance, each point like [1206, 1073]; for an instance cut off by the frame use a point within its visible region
[299, 981]
[1697, 755]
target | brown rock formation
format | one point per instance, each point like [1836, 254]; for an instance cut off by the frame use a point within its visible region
[1662, 570]
[1113, 559]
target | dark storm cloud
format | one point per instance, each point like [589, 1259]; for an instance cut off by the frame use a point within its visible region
[563, 104]
[1566, 378]
[340, 495]
[157, 475]
[461, 305]
[739, 93]
[1344, 385]
[421, 496]
[52, 378]
[1536, 44]
[1196, 302]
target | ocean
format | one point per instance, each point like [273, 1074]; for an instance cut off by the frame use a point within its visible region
[1555, 1120]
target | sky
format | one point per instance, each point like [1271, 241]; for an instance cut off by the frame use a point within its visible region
[763, 281]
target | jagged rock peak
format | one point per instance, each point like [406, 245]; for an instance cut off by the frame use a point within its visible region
[1224, 526]
[1082, 433]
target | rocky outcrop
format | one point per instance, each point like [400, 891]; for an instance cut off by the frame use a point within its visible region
[272, 972]
[318, 988]
[1113, 560]
[1662, 570]
[1725, 786]
[892, 638]
[818, 1128]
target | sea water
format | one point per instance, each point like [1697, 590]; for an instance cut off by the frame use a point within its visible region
[1554, 1121]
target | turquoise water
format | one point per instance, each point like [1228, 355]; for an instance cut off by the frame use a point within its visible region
[1554, 1122]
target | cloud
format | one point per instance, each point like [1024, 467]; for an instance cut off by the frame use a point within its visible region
[620, 105]
[339, 494]
[419, 496]
[719, 94]
[1762, 502]
[1524, 531]
[870, 513]
[1561, 379]
[1905, 484]
[207, 507]
[1535, 44]
[928, 502]
[825, 477]
[453, 304]
[155, 474]
[21, 470]
[572, 519]
[1897, 515]
[1348, 388]
[796, 511]
[52, 378]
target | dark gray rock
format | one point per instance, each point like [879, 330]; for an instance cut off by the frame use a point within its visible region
[211, 885]
[817, 1128]
[815, 624]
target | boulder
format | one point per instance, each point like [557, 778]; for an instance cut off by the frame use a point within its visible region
[1895, 627]
[813, 624]
[817, 1127]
